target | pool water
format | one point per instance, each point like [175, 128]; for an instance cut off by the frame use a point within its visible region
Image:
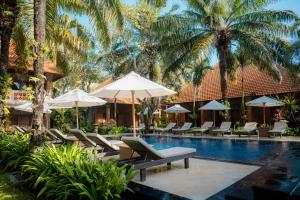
[225, 149]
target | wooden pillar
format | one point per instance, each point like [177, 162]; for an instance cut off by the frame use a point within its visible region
[107, 110]
[249, 113]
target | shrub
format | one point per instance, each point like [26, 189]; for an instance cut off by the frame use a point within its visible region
[104, 130]
[71, 172]
[118, 130]
[14, 147]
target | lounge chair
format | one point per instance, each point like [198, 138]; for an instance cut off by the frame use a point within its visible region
[224, 128]
[204, 128]
[167, 128]
[82, 137]
[141, 127]
[21, 130]
[150, 157]
[186, 126]
[63, 137]
[107, 145]
[279, 128]
[249, 128]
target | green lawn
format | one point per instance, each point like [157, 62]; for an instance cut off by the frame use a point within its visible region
[9, 191]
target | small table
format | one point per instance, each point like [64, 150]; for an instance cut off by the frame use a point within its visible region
[210, 131]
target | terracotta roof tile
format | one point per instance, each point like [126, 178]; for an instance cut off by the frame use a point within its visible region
[256, 83]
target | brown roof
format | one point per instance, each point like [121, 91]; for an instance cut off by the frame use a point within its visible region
[49, 67]
[256, 83]
[110, 100]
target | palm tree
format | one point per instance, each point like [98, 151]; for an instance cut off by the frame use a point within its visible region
[199, 72]
[38, 66]
[221, 26]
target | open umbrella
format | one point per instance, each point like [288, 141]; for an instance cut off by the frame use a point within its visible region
[132, 86]
[77, 98]
[177, 109]
[214, 105]
[264, 102]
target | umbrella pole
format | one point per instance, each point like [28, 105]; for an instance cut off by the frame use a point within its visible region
[77, 117]
[214, 118]
[133, 113]
[264, 116]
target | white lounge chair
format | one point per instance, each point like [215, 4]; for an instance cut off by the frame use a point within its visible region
[186, 126]
[166, 129]
[108, 145]
[249, 128]
[204, 128]
[279, 128]
[63, 137]
[150, 157]
[224, 128]
[141, 127]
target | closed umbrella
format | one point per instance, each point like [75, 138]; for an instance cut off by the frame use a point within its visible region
[264, 102]
[77, 98]
[177, 109]
[133, 86]
[214, 105]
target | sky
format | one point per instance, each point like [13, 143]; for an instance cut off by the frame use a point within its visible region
[293, 5]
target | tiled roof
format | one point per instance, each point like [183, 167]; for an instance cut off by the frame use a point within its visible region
[49, 67]
[256, 83]
[111, 100]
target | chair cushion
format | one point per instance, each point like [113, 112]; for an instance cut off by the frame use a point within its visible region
[175, 151]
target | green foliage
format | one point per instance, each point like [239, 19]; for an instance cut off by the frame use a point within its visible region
[14, 147]
[293, 131]
[86, 125]
[193, 116]
[6, 83]
[226, 113]
[290, 108]
[104, 130]
[118, 130]
[72, 172]
[61, 117]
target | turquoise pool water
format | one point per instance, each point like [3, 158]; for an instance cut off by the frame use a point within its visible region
[226, 149]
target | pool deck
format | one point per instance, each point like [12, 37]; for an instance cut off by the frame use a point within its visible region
[203, 179]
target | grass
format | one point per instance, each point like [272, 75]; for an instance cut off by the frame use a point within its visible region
[8, 191]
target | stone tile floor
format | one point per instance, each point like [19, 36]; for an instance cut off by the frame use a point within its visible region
[203, 179]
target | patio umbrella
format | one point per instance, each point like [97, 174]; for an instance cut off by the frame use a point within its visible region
[214, 105]
[77, 98]
[177, 109]
[264, 102]
[132, 86]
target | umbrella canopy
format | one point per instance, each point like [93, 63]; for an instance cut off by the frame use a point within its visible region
[214, 105]
[27, 107]
[133, 86]
[177, 109]
[77, 98]
[132, 83]
[264, 102]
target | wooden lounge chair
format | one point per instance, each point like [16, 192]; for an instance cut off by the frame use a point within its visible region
[204, 128]
[224, 128]
[166, 129]
[50, 136]
[150, 157]
[186, 126]
[250, 127]
[107, 145]
[82, 137]
[279, 128]
[63, 137]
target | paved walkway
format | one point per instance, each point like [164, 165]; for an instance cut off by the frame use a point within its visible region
[203, 179]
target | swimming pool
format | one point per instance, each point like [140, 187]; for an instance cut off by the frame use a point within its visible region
[225, 149]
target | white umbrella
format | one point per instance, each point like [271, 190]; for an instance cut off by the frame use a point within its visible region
[264, 102]
[214, 105]
[177, 109]
[77, 98]
[133, 86]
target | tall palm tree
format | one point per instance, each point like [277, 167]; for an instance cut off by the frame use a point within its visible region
[220, 26]
[38, 66]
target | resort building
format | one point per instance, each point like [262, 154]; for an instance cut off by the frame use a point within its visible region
[19, 94]
[256, 83]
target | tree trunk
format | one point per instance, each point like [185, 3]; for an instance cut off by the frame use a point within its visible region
[7, 24]
[223, 50]
[38, 65]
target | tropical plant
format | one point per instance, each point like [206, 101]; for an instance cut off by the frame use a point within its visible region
[226, 113]
[71, 172]
[14, 148]
[290, 108]
[215, 25]
[118, 130]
